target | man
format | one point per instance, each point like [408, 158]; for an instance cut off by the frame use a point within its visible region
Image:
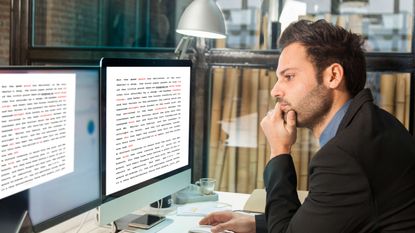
[363, 177]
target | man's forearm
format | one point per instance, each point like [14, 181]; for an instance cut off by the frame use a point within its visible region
[281, 186]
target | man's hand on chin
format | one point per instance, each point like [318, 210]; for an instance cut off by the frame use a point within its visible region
[281, 133]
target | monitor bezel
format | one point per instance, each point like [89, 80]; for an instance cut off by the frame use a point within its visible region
[139, 62]
[41, 226]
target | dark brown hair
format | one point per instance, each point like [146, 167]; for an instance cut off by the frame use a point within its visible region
[327, 44]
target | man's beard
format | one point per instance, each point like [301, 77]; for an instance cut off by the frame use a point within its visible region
[313, 108]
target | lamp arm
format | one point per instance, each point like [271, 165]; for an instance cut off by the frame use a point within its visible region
[182, 47]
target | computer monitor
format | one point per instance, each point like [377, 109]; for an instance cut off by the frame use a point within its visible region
[146, 133]
[53, 120]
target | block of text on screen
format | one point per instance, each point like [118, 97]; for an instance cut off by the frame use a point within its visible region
[147, 123]
[37, 129]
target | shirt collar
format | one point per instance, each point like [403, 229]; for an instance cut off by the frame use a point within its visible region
[331, 129]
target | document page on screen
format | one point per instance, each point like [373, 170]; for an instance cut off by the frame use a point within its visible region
[37, 129]
[147, 123]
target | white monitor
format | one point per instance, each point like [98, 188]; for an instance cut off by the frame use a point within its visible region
[146, 135]
[50, 141]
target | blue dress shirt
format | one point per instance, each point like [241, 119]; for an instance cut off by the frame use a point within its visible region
[330, 131]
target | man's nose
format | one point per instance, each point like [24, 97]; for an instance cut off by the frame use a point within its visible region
[276, 90]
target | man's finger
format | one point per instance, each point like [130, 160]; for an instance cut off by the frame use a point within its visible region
[206, 220]
[222, 227]
[291, 118]
[277, 111]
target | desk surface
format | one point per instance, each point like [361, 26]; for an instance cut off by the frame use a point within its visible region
[175, 223]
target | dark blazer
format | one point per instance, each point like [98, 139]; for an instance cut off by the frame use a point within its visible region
[362, 180]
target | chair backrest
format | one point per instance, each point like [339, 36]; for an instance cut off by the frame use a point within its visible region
[256, 202]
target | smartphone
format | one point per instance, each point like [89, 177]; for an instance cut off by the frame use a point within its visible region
[146, 221]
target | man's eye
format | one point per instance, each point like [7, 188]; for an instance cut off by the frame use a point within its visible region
[289, 76]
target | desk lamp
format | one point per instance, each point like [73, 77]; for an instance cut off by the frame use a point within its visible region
[202, 18]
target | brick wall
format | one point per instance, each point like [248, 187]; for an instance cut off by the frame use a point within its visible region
[76, 23]
[67, 23]
[60, 23]
[4, 31]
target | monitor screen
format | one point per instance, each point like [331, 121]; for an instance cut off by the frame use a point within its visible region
[146, 132]
[50, 140]
[37, 129]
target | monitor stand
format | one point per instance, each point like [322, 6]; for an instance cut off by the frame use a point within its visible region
[13, 214]
[25, 225]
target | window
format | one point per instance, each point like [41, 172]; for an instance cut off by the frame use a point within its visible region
[238, 150]
[111, 23]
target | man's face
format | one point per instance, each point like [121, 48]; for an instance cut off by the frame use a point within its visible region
[297, 87]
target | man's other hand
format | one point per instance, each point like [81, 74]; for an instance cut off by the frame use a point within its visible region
[227, 220]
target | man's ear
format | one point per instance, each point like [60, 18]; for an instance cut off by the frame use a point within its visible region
[334, 75]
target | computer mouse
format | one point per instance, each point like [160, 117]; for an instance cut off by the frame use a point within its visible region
[200, 229]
